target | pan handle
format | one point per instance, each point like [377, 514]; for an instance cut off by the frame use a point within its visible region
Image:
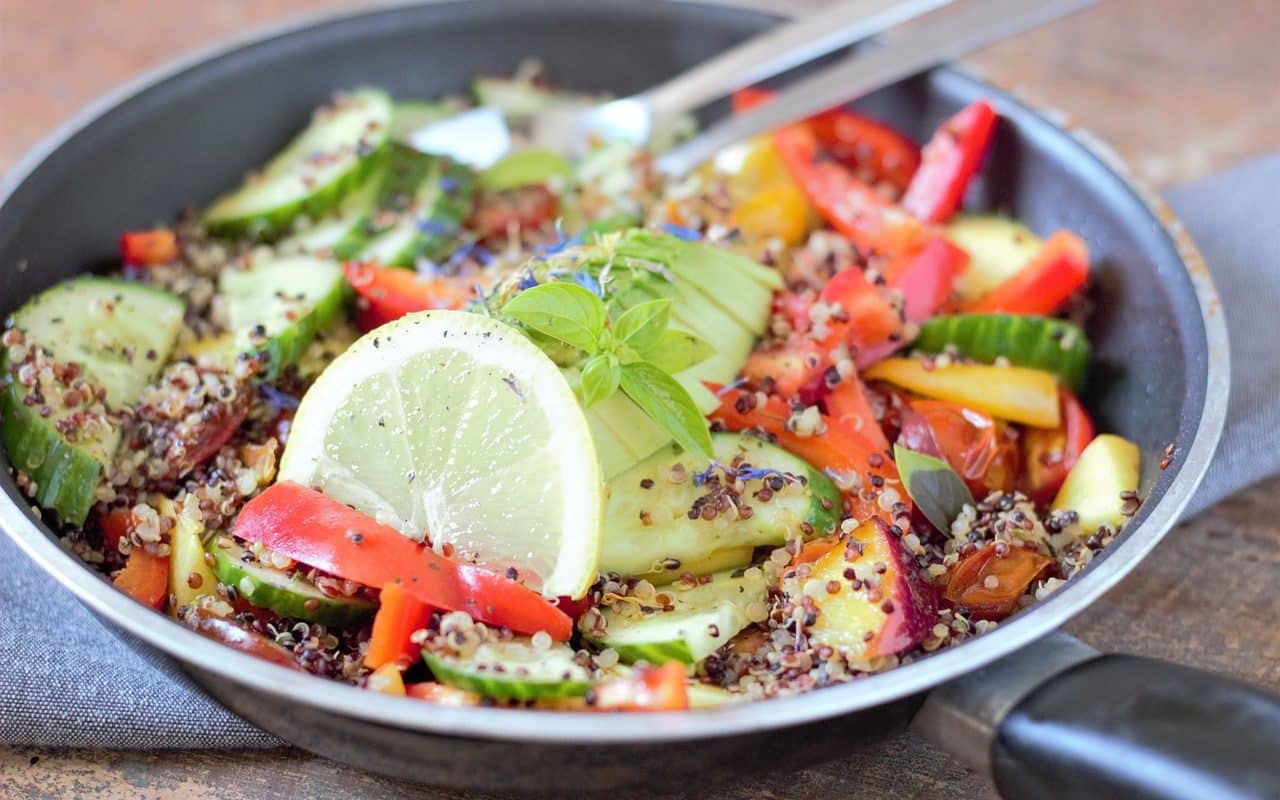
[1059, 720]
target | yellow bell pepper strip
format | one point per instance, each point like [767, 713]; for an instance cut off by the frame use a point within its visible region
[1102, 483]
[951, 159]
[779, 212]
[1018, 394]
[386, 679]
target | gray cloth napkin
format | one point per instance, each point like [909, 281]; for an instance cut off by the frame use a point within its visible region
[66, 681]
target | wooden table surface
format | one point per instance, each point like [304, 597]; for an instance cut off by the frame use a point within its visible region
[1180, 88]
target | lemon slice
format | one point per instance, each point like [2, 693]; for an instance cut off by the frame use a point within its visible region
[453, 427]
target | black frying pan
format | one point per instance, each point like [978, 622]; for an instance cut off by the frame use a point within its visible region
[1044, 716]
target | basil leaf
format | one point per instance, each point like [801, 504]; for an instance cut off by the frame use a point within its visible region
[933, 485]
[563, 311]
[676, 351]
[600, 378]
[643, 325]
[668, 404]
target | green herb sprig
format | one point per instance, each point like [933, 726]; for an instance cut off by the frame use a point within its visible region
[637, 353]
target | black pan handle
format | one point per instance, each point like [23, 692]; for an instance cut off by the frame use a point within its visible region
[1058, 720]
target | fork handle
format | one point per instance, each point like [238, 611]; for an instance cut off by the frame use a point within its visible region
[779, 50]
[941, 38]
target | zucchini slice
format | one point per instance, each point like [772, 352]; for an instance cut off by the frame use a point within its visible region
[311, 175]
[120, 334]
[287, 595]
[278, 305]
[513, 670]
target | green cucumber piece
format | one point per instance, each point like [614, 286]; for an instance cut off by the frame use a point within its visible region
[310, 176]
[645, 527]
[121, 335]
[534, 166]
[518, 99]
[997, 246]
[703, 619]
[278, 305]
[413, 115]
[421, 208]
[287, 595]
[346, 220]
[1053, 345]
[513, 670]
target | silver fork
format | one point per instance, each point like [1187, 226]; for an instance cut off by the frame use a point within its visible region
[638, 118]
[942, 37]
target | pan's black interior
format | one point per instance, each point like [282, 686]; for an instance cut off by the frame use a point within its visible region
[186, 139]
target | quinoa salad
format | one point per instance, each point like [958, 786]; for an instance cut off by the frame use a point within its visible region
[560, 432]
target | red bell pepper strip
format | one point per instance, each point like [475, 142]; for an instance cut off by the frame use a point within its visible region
[788, 369]
[925, 278]
[310, 528]
[1057, 271]
[1050, 453]
[951, 159]
[869, 319]
[840, 451]
[991, 585]
[149, 248]
[388, 293]
[851, 207]
[399, 615]
[645, 689]
[145, 578]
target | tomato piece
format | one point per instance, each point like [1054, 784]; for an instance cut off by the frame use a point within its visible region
[841, 451]
[850, 206]
[849, 405]
[990, 584]
[145, 578]
[925, 278]
[787, 368]
[440, 694]
[865, 145]
[308, 527]
[220, 629]
[115, 525]
[1058, 270]
[951, 159]
[1049, 454]
[388, 293]
[868, 323]
[498, 213]
[646, 689]
[794, 307]
[981, 449]
[149, 248]
[209, 435]
[399, 615]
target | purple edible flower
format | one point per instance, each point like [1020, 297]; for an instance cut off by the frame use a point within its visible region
[526, 280]
[584, 279]
[681, 232]
[277, 398]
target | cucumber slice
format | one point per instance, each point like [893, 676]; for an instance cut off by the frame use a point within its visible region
[421, 208]
[703, 619]
[518, 99]
[997, 246]
[413, 115]
[350, 216]
[278, 305]
[633, 546]
[121, 335]
[526, 168]
[287, 595]
[332, 155]
[513, 670]
[1052, 345]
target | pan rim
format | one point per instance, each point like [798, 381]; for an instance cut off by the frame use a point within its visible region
[189, 648]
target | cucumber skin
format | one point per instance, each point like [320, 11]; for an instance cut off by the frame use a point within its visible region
[502, 687]
[287, 347]
[66, 477]
[272, 224]
[1025, 340]
[339, 613]
[655, 653]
